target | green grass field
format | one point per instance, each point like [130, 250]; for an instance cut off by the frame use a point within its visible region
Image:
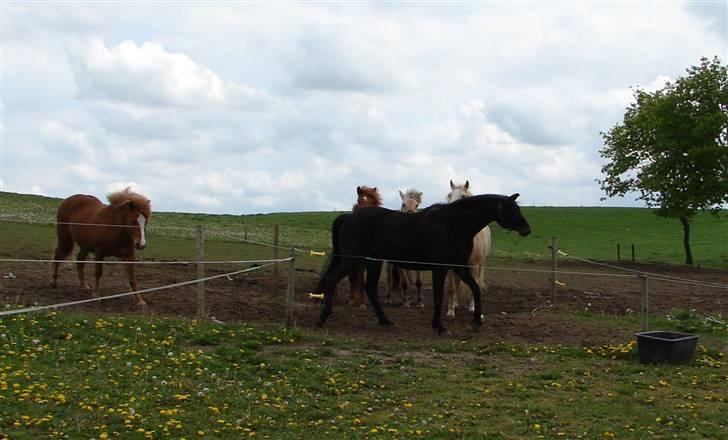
[68, 376]
[583, 232]
[65, 375]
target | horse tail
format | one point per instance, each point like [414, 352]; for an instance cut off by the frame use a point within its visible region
[63, 233]
[334, 259]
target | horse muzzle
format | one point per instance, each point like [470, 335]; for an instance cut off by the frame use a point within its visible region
[525, 230]
[140, 246]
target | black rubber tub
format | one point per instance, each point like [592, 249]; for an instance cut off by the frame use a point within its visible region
[665, 347]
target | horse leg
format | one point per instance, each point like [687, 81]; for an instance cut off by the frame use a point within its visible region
[477, 273]
[418, 283]
[374, 269]
[63, 249]
[80, 266]
[389, 270]
[403, 285]
[356, 283]
[438, 286]
[98, 271]
[468, 279]
[138, 300]
[453, 291]
[330, 279]
[360, 298]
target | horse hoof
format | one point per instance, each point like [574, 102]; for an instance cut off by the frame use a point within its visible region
[86, 288]
[386, 322]
[450, 315]
[442, 331]
[421, 305]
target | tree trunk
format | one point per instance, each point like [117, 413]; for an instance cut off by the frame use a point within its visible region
[686, 240]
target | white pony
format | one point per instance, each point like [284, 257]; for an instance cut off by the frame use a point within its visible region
[401, 278]
[481, 249]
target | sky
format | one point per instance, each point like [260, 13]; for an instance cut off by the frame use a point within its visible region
[241, 108]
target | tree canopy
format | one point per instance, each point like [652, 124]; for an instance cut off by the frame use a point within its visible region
[672, 146]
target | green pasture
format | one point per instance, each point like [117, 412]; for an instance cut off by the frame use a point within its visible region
[69, 376]
[583, 232]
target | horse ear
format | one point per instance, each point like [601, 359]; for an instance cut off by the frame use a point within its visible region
[401, 194]
[358, 190]
[467, 184]
[514, 196]
[452, 185]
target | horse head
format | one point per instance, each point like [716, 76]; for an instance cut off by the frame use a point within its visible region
[139, 222]
[410, 200]
[510, 217]
[367, 196]
[458, 192]
[134, 210]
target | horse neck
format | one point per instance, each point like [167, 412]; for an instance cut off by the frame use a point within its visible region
[108, 215]
[476, 212]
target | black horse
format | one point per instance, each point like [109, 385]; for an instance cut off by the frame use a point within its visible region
[438, 239]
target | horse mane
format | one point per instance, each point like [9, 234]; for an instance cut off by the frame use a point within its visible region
[143, 204]
[468, 202]
[414, 195]
[372, 193]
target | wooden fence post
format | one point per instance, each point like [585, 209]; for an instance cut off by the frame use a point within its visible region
[633, 252]
[276, 237]
[291, 289]
[644, 305]
[554, 250]
[618, 252]
[200, 273]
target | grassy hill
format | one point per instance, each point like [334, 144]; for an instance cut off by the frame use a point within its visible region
[589, 232]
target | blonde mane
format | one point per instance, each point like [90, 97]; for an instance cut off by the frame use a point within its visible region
[143, 204]
[414, 195]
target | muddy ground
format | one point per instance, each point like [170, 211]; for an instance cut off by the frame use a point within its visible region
[518, 304]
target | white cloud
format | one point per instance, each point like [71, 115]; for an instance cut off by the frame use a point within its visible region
[148, 75]
[245, 107]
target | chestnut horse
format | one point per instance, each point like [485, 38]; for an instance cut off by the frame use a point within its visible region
[481, 249]
[113, 230]
[397, 277]
[366, 197]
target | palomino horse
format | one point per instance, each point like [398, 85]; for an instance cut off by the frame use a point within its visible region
[438, 238]
[366, 197]
[113, 230]
[481, 249]
[399, 278]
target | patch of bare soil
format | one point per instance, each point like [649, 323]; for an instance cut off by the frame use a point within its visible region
[518, 305]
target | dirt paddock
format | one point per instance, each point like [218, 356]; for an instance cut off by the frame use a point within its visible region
[517, 305]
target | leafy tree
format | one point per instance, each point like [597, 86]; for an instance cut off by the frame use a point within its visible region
[672, 147]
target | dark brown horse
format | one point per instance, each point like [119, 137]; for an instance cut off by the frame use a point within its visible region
[366, 197]
[398, 278]
[113, 230]
[438, 239]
